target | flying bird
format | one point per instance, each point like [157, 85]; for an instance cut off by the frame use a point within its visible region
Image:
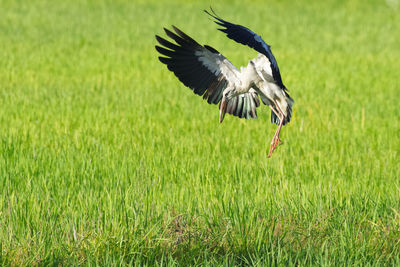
[209, 74]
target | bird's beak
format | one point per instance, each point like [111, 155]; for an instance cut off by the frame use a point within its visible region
[222, 110]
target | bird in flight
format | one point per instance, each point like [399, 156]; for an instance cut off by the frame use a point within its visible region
[209, 74]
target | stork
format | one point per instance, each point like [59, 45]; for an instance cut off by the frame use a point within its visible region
[209, 74]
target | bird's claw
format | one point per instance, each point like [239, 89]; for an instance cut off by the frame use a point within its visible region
[279, 142]
[274, 143]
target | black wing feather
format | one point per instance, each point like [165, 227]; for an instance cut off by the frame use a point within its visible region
[247, 37]
[182, 60]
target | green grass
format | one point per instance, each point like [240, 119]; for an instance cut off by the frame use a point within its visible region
[105, 158]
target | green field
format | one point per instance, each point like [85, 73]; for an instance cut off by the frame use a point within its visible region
[107, 159]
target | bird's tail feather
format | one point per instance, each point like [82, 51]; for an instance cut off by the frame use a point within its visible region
[290, 102]
[244, 105]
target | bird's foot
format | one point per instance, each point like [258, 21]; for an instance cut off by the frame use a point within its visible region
[271, 149]
[274, 143]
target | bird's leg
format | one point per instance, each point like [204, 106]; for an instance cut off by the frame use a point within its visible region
[275, 140]
[280, 119]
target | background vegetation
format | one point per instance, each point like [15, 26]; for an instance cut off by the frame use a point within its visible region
[105, 158]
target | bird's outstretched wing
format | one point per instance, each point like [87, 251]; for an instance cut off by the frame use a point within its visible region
[247, 37]
[205, 71]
